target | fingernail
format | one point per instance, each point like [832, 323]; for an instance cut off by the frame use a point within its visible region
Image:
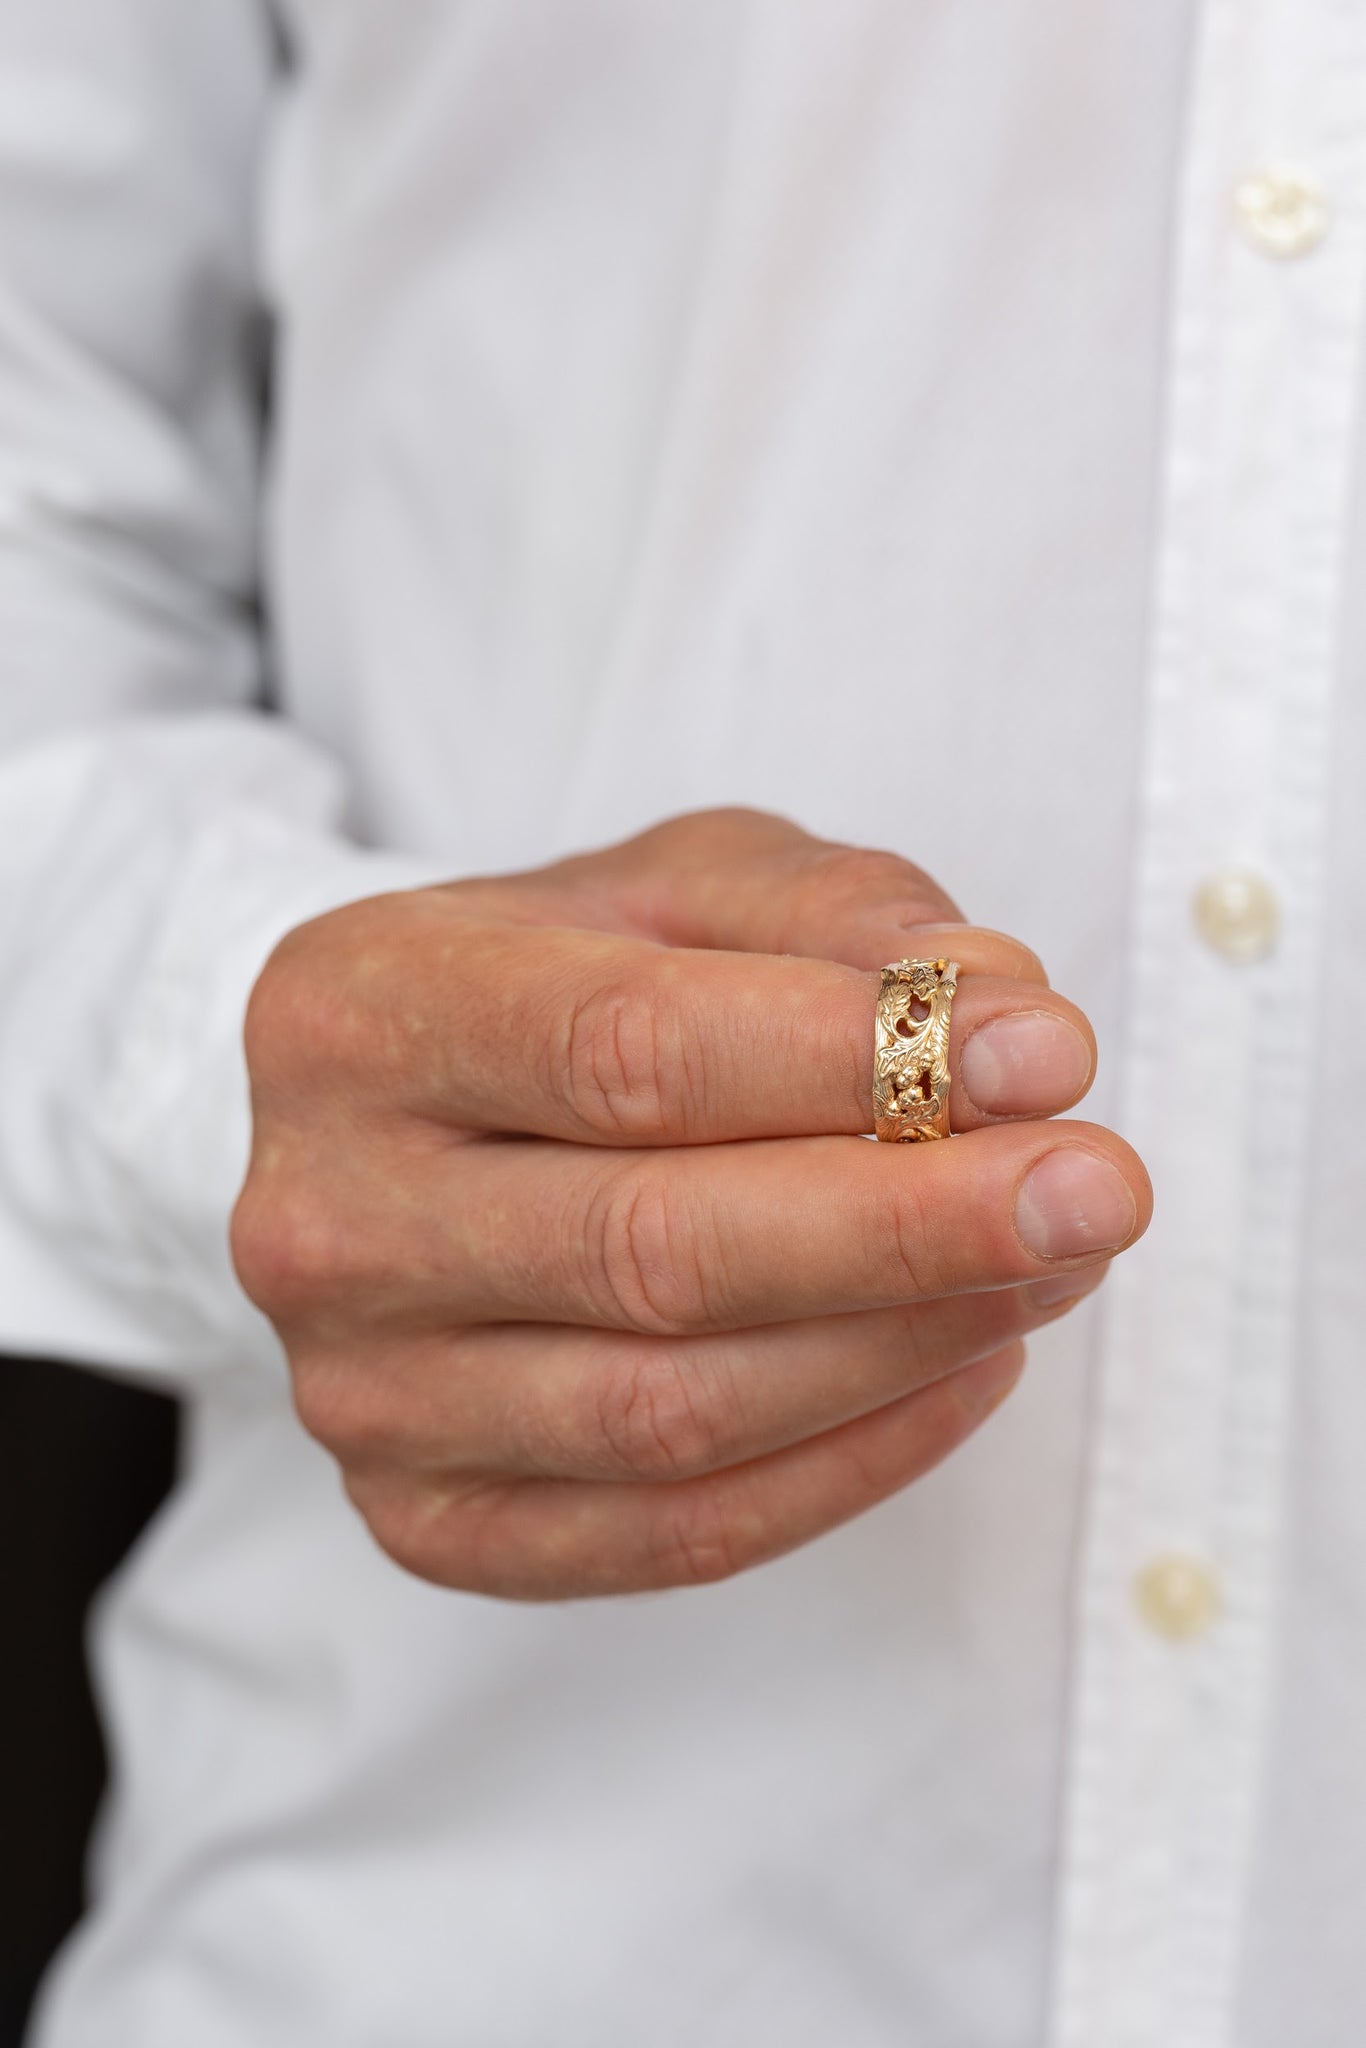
[1072, 1203]
[1061, 1287]
[1025, 1063]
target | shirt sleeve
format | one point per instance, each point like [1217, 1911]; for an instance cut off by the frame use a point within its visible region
[158, 830]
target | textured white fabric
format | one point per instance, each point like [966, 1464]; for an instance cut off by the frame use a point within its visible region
[669, 403]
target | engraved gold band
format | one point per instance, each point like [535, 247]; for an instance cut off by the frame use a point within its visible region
[911, 1050]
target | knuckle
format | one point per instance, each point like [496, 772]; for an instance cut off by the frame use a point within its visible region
[653, 1419]
[642, 1256]
[613, 1067]
[401, 1520]
[724, 823]
[291, 1015]
[701, 1544]
[250, 1244]
[915, 1248]
[869, 874]
[458, 1541]
[321, 1402]
[341, 1405]
[320, 1004]
[287, 1247]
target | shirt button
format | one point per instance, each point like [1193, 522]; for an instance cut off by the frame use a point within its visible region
[1282, 212]
[1177, 1596]
[1237, 914]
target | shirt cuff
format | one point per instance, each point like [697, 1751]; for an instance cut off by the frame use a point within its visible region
[153, 1290]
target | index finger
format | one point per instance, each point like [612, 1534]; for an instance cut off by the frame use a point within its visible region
[602, 1040]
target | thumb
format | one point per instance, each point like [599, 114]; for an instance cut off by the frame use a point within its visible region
[749, 882]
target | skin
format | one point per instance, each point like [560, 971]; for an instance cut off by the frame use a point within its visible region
[559, 1204]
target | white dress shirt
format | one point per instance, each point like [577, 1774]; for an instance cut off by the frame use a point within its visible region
[940, 423]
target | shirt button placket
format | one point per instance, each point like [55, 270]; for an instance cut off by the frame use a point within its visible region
[1177, 1644]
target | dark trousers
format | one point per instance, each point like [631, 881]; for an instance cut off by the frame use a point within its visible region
[84, 1461]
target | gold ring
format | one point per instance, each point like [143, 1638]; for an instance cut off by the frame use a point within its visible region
[911, 1050]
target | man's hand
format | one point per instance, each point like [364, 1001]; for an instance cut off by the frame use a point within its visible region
[558, 1202]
